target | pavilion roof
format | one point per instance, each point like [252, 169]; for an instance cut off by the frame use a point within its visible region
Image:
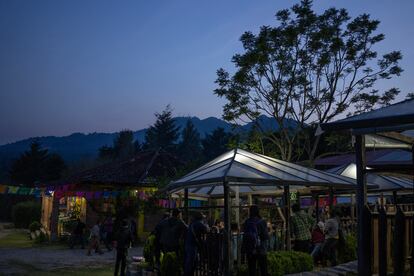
[398, 116]
[254, 173]
[385, 183]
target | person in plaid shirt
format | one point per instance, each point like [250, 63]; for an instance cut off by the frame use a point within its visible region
[301, 225]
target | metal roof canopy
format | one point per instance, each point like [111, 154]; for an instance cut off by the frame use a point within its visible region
[399, 116]
[385, 183]
[254, 173]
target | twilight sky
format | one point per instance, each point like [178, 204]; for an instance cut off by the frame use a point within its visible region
[84, 66]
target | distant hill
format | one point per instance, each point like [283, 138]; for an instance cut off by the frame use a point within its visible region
[85, 146]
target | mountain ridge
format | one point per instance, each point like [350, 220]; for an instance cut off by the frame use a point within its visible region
[80, 145]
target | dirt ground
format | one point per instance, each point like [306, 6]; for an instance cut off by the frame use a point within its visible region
[18, 261]
[47, 259]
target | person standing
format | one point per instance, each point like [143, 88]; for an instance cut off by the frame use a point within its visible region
[193, 243]
[173, 230]
[108, 230]
[95, 238]
[123, 242]
[78, 234]
[157, 233]
[301, 224]
[331, 236]
[255, 238]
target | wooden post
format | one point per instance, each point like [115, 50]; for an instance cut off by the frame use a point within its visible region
[227, 230]
[186, 218]
[286, 194]
[353, 207]
[250, 200]
[364, 251]
[382, 239]
[398, 243]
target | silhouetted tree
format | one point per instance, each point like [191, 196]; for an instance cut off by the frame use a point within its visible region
[36, 165]
[309, 68]
[164, 133]
[189, 149]
[216, 143]
[123, 147]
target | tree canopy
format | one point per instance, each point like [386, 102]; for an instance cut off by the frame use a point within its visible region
[215, 143]
[123, 147]
[309, 68]
[189, 149]
[36, 165]
[164, 133]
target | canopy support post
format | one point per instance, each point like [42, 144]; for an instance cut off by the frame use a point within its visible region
[227, 230]
[286, 194]
[394, 198]
[317, 207]
[364, 252]
[331, 199]
[186, 205]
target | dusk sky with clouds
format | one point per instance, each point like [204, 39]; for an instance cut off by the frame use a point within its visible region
[102, 66]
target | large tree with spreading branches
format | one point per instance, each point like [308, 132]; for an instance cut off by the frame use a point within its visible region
[310, 68]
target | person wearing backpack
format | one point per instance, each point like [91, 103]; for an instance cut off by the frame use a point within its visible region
[172, 231]
[255, 238]
[193, 242]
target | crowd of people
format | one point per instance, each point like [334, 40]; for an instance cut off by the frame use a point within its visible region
[257, 237]
[104, 233]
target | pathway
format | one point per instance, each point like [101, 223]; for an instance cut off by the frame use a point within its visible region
[350, 268]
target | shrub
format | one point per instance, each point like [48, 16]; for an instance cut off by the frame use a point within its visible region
[149, 249]
[348, 251]
[24, 213]
[170, 266]
[35, 225]
[288, 262]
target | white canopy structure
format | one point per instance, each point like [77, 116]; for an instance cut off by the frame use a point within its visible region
[385, 183]
[254, 173]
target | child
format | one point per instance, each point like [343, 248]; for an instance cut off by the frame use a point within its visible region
[318, 237]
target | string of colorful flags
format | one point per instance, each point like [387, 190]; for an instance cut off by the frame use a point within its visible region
[66, 191]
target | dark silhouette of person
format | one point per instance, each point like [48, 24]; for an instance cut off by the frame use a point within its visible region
[255, 238]
[193, 242]
[123, 242]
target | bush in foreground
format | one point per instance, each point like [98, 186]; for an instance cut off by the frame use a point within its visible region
[284, 262]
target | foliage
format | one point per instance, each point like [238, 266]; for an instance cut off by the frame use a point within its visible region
[149, 250]
[25, 213]
[36, 165]
[123, 147]
[35, 225]
[348, 252]
[189, 149]
[41, 238]
[164, 132]
[288, 262]
[215, 143]
[309, 68]
[170, 266]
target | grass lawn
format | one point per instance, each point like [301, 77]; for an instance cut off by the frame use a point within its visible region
[19, 239]
[16, 239]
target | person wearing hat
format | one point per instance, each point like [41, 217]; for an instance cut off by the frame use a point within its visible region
[123, 242]
[193, 242]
